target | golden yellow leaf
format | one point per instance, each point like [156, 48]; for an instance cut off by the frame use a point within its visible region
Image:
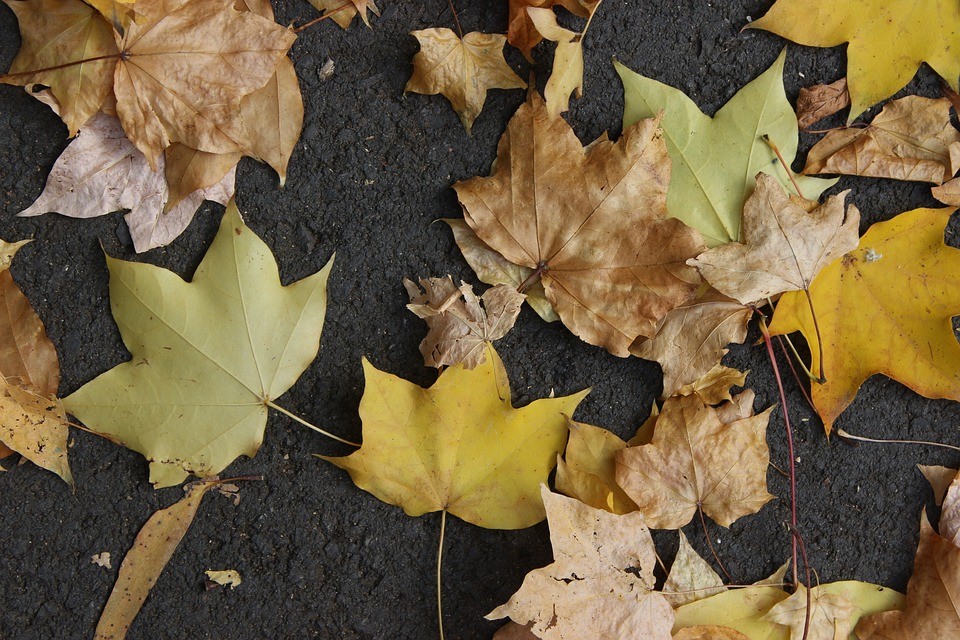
[888, 40]
[709, 632]
[458, 446]
[566, 77]
[884, 308]
[462, 70]
[587, 470]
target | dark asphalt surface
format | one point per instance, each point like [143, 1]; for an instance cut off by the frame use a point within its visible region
[319, 557]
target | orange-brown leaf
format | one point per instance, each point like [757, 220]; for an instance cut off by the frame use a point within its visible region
[820, 101]
[523, 34]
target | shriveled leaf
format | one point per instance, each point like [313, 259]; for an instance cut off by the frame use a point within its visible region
[932, 606]
[600, 583]
[344, 15]
[102, 560]
[460, 327]
[273, 117]
[235, 327]
[187, 170]
[740, 407]
[691, 578]
[591, 221]
[522, 32]
[940, 479]
[587, 470]
[697, 461]
[566, 78]
[821, 101]
[118, 13]
[948, 192]
[884, 308]
[102, 171]
[714, 387]
[458, 446]
[143, 564]
[911, 139]
[229, 578]
[494, 269]
[784, 245]
[692, 339]
[709, 632]
[888, 40]
[173, 86]
[462, 70]
[35, 426]
[715, 160]
[55, 32]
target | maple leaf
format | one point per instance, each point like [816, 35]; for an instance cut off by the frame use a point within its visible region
[54, 32]
[118, 13]
[587, 469]
[600, 584]
[940, 479]
[344, 11]
[785, 246]
[463, 70]
[933, 595]
[459, 446]
[187, 170]
[171, 86]
[696, 461]
[950, 514]
[460, 328]
[523, 33]
[591, 223]
[948, 192]
[235, 327]
[911, 139]
[821, 101]
[829, 615]
[715, 160]
[714, 387]
[691, 578]
[101, 171]
[903, 285]
[888, 40]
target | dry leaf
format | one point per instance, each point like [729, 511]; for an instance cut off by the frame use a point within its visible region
[566, 78]
[830, 615]
[587, 470]
[273, 118]
[101, 560]
[709, 632]
[948, 192]
[939, 478]
[523, 34]
[784, 247]
[600, 583]
[691, 578]
[514, 631]
[592, 222]
[187, 170]
[344, 15]
[462, 70]
[821, 101]
[460, 328]
[911, 139]
[714, 387]
[697, 461]
[228, 578]
[740, 407]
[950, 514]
[36, 427]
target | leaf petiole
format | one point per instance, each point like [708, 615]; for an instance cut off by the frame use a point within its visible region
[297, 418]
[850, 436]
[443, 530]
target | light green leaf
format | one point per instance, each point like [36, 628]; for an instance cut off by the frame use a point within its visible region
[716, 160]
[207, 356]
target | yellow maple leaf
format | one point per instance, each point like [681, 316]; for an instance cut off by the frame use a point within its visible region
[884, 308]
[459, 446]
[888, 40]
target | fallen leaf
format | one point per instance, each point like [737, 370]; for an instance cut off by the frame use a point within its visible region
[36, 427]
[101, 560]
[600, 584]
[101, 171]
[143, 564]
[494, 269]
[118, 13]
[911, 139]
[566, 77]
[587, 469]
[714, 387]
[829, 615]
[458, 446]
[187, 170]
[228, 578]
[709, 632]
[273, 118]
[55, 32]
[948, 192]
[230, 491]
[514, 631]
[939, 478]
[950, 514]
[695, 461]
[931, 607]
[344, 11]
[460, 328]
[523, 34]
[739, 407]
[692, 339]
[901, 284]
[784, 245]
[821, 101]
[888, 40]
[715, 160]
[611, 268]
[235, 327]
[691, 578]
[462, 70]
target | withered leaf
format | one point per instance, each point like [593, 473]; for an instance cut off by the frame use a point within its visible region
[940, 479]
[592, 222]
[587, 469]
[714, 387]
[523, 34]
[460, 326]
[948, 192]
[344, 15]
[36, 427]
[829, 618]
[691, 578]
[821, 101]
[187, 170]
[566, 78]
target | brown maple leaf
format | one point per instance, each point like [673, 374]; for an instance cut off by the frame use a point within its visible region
[344, 11]
[463, 70]
[820, 101]
[522, 32]
[592, 224]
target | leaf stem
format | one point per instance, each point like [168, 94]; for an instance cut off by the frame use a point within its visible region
[19, 74]
[703, 523]
[583, 33]
[292, 416]
[820, 379]
[456, 21]
[850, 436]
[796, 376]
[307, 25]
[786, 167]
[443, 531]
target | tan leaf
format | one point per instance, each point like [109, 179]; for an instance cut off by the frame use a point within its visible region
[644, 434]
[566, 77]
[36, 427]
[187, 170]
[7, 251]
[697, 461]
[692, 339]
[462, 70]
[950, 514]
[101, 560]
[460, 327]
[587, 470]
[523, 34]
[118, 13]
[785, 246]
[740, 407]
[273, 117]
[592, 222]
[514, 631]
[691, 578]
[939, 478]
[172, 86]
[494, 269]
[911, 139]
[344, 15]
[143, 564]
[933, 596]
[27, 357]
[948, 192]
[709, 632]
[600, 583]
[714, 387]
[830, 615]
[229, 578]
[820, 101]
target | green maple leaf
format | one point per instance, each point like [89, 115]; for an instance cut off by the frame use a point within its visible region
[716, 160]
[208, 356]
